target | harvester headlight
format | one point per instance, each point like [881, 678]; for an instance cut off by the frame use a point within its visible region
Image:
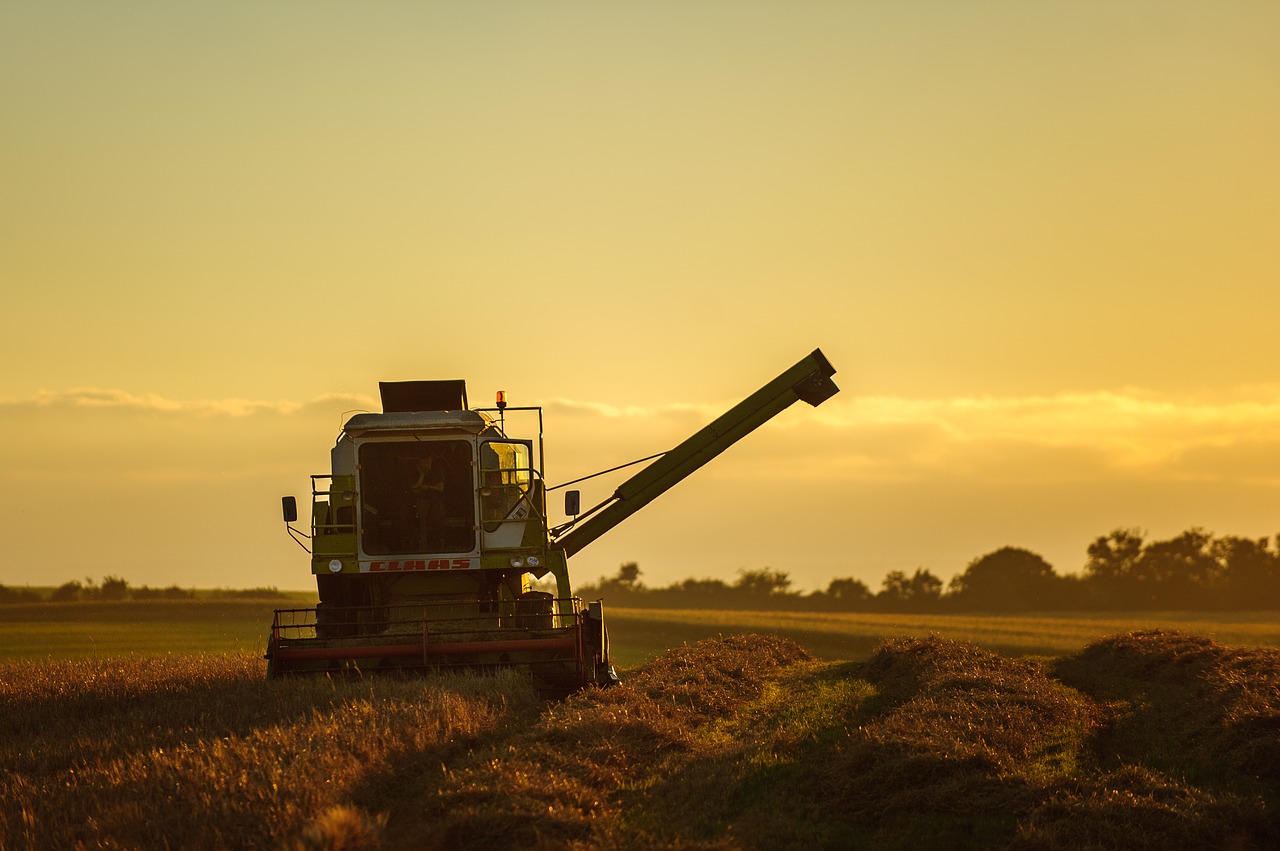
[516, 561]
[533, 561]
[335, 566]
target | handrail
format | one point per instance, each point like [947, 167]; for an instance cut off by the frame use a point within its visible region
[407, 622]
[327, 528]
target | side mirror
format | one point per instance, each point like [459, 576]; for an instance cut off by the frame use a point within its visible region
[290, 507]
[572, 503]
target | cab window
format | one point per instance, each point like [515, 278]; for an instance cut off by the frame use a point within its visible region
[505, 478]
[416, 497]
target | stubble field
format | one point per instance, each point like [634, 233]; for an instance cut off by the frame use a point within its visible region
[1138, 739]
[43, 631]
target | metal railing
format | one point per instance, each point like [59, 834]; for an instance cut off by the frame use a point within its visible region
[431, 634]
[319, 526]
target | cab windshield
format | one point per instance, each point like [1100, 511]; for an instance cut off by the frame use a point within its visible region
[417, 498]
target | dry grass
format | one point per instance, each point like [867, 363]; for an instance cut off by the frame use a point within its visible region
[1188, 752]
[200, 752]
[566, 780]
[955, 744]
[1211, 710]
[1141, 740]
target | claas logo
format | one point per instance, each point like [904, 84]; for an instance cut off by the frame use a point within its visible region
[420, 564]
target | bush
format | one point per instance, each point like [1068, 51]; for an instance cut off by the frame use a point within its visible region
[267, 593]
[113, 588]
[68, 592]
[18, 595]
[173, 592]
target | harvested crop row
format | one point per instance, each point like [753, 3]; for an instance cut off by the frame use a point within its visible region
[563, 779]
[202, 753]
[1190, 705]
[957, 742]
[946, 745]
[1147, 740]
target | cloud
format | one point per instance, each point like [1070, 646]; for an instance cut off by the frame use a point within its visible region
[1130, 431]
[679, 412]
[1131, 427]
[87, 399]
[81, 437]
[1060, 437]
[874, 472]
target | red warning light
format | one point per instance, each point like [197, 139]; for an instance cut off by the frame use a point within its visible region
[502, 400]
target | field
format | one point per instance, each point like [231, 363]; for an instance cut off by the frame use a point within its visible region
[1024, 733]
[97, 629]
[642, 633]
[89, 629]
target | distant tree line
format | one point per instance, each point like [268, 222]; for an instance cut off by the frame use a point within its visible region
[1123, 572]
[114, 588]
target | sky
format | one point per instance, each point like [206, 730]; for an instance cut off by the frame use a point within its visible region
[1040, 242]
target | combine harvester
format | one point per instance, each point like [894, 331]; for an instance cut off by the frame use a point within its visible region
[424, 536]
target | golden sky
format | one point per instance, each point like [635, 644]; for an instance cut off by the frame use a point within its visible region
[1039, 241]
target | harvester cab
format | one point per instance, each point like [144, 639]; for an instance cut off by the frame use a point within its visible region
[433, 519]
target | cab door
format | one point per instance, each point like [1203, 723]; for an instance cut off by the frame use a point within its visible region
[506, 491]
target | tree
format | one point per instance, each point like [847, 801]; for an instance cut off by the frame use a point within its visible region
[68, 592]
[1179, 573]
[901, 592]
[625, 583]
[764, 582]
[1109, 569]
[113, 588]
[925, 587]
[1009, 579]
[848, 593]
[173, 592]
[628, 575]
[1113, 556]
[18, 595]
[1250, 572]
[701, 586]
[697, 593]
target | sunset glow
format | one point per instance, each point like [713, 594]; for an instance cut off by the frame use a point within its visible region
[1037, 241]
